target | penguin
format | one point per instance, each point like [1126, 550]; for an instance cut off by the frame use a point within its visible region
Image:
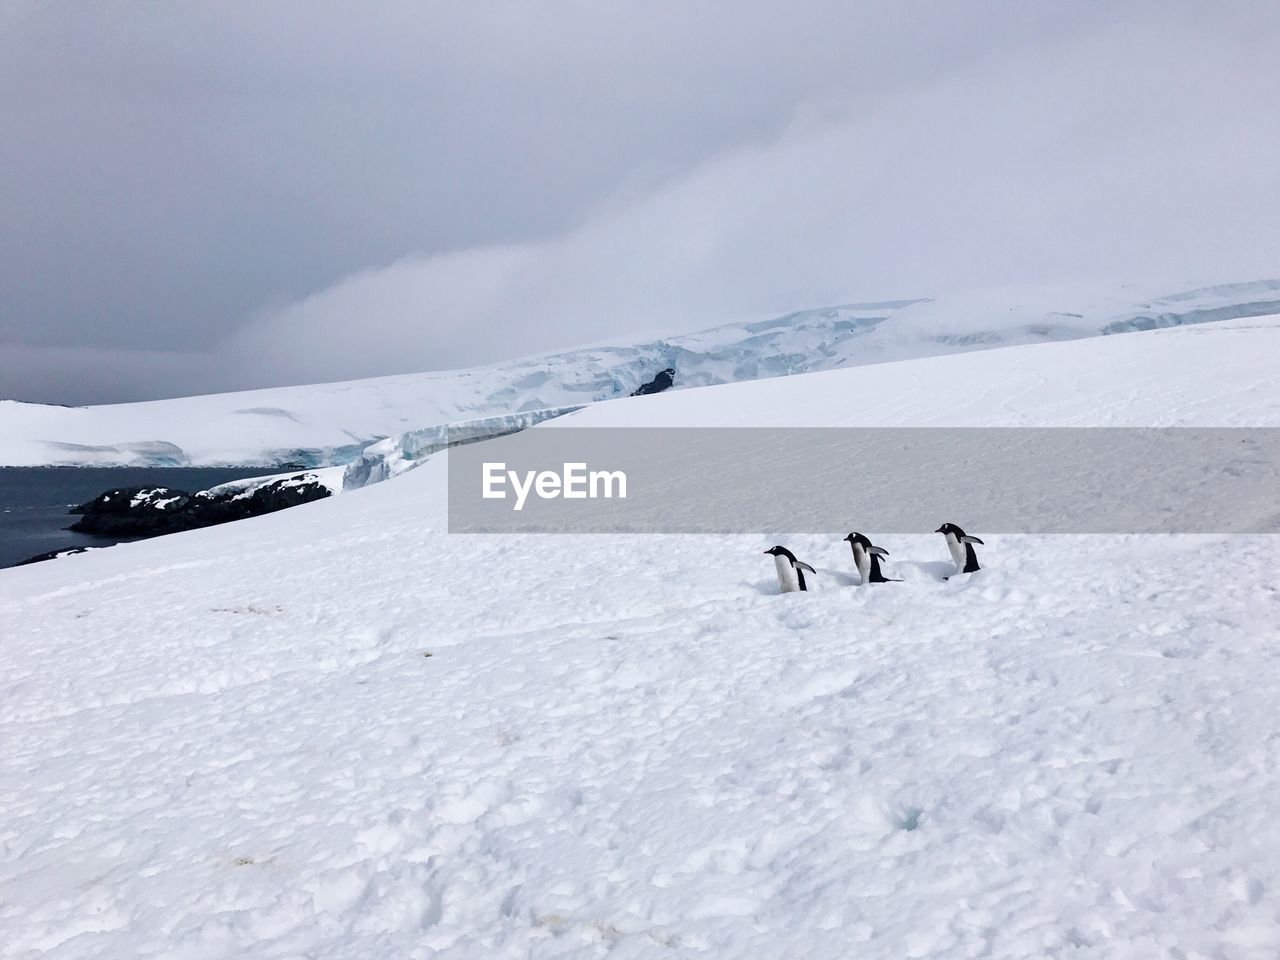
[867, 558]
[961, 546]
[790, 570]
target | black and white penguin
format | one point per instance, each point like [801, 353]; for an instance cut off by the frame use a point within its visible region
[961, 546]
[790, 570]
[866, 556]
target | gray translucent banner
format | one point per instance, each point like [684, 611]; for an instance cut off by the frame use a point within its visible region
[833, 480]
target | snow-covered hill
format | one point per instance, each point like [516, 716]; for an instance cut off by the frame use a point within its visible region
[331, 423]
[338, 731]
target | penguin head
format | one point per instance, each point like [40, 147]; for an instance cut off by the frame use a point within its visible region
[781, 552]
[950, 528]
[859, 539]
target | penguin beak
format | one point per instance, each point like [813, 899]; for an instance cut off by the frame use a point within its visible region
[939, 530]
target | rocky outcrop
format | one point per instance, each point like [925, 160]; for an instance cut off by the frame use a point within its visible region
[663, 380]
[52, 555]
[151, 511]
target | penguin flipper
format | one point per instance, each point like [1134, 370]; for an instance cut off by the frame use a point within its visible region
[968, 539]
[879, 551]
[876, 575]
[804, 566]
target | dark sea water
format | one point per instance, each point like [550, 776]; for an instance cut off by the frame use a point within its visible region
[34, 500]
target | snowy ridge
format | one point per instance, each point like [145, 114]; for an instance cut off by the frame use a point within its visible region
[329, 477]
[337, 731]
[327, 424]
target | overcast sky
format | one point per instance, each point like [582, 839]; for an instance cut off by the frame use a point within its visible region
[206, 196]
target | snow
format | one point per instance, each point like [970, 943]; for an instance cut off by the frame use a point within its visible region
[1215, 375]
[154, 497]
[330, 424]
[233, 742]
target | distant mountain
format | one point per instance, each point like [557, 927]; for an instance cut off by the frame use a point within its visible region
[327, 424]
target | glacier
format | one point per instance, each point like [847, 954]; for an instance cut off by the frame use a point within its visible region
[395, 455]
[319, 425]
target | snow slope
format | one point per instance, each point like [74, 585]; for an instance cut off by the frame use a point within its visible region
[231, 742]
[331, 423]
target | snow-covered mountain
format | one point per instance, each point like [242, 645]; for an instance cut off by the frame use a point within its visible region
[338, 731]
[332, 423]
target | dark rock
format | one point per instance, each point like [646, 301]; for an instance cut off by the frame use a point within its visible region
[133, 511]
[52, 555]
[151, 511]
[663, 380]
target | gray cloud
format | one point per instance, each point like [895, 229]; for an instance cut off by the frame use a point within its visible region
[205, 196]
